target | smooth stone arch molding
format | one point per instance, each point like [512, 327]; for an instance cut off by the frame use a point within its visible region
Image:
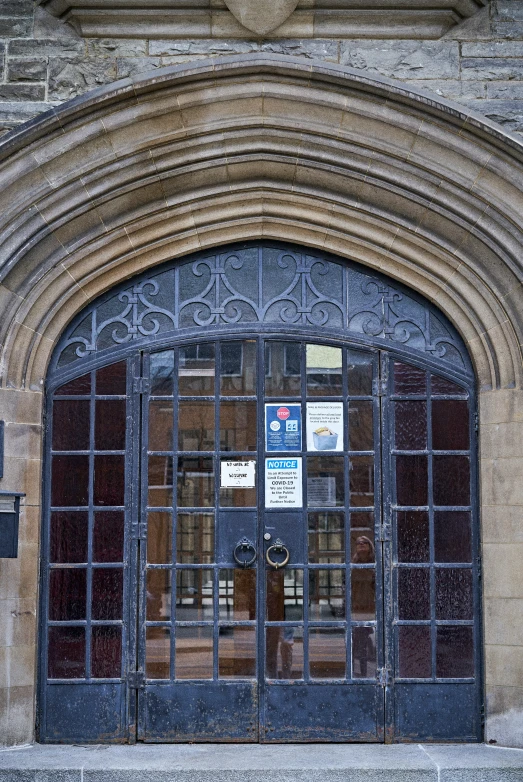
[151, 169]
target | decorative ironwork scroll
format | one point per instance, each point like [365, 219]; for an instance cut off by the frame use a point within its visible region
[262, 284]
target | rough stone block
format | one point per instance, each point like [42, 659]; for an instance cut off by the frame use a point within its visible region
[508, 113]
[130, 66]
[114, 47]
[47, 47]
[47, 26]
[505, 90]
[70, 77]
[22, 92]
[27, 70]
[201, 47]
[313, 49]
[16, 7]
[403, 59]
[492, 49]
[453, 89]
[16, 27]
[490, 68]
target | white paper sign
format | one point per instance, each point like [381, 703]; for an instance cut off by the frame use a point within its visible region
[325, 426]
[321, 492]
[283, 483]
[238, 474]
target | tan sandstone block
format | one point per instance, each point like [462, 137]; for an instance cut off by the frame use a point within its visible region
[503, 570]
[503, 622]
[503, 665]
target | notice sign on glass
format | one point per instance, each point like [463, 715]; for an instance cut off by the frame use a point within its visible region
[238, 475]
[283, 487]
[325, 426]
[282, 427]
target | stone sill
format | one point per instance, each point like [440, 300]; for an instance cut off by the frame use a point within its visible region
[168, 19]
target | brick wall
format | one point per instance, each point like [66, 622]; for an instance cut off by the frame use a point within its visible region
[478, 64]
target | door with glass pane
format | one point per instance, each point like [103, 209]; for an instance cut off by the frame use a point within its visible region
[259, 618]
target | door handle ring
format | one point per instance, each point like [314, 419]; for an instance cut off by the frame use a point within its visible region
[279, 547]
[244, 545]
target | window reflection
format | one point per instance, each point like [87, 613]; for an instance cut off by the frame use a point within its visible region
[324, 370]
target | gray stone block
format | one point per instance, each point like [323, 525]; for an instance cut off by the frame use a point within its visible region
[451, 88]
[43, 47]
[16, 7]
[505, 90]
[509, 10]
[313, 49]
[22, 92]
[507, 113]
[492, 49]
[16, 27]
[491, 68]
[70, 77]
[113, 47]
[201, 47]
[403, 59]
[130, 66]
[27, 70]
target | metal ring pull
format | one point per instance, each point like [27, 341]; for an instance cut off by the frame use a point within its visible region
[280, 548]
[244, 545]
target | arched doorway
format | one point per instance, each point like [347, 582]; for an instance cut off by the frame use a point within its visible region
[261, 519]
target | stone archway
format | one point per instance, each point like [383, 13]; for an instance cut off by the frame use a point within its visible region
[152, 169]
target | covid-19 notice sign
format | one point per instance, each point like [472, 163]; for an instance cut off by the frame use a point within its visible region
[282, 427]
[283, 486]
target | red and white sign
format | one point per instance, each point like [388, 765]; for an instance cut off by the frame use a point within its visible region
[283, 413]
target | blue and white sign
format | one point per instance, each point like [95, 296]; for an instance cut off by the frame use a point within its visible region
[283, 487]
[282, 427]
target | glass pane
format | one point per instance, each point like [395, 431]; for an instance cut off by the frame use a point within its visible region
[157, 653]
[361, 481]
[70, 481]
[161, 372]
[327, 653]
[324, 371]
[108, 536]
[440, 385]
[194, 593]
[196, 426]
[69, 532]
[71, 419]
[66, 653]
[360, 373]
[452, 542]
[361, 426]
[362, 532]
[195, 483]
[326, 595]
[237, 652]
[415, 653]
[282, 369]
[409, 380]
[78, 387]
[450, 425]
[161, 425]
[109, 429]
[325, 481]
[451, 480]
[237, 598]
[67, 594]
[363, 652]
[284, 595]
[112, 379]
[414, 593]
[195, 538]
[410, 426]
[363, 587]
[197, 368]
[453, 593]
[238, 426]
[194, 652]
[284, 652]
[411, 480]
[109, 480]
[413, 536]
[159, 538]
[326, 538]
[238, 368]
[106, 652]
[107, 600]
[158, 595]
[160, 481]
[454, 652]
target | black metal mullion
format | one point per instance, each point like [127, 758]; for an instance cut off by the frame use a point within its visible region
[174, 516]
[217, 511]
[430, 488]
[90, 534]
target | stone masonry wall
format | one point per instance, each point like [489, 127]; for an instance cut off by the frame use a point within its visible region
[479, 63]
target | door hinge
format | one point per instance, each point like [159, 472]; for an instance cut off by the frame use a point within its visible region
[136, 680]
[383, 676]
[476, 422]
[384, 533]
[141, 385]
[139, 531]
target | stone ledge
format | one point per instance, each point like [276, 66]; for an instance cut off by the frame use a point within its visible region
[179, 19]
[262, 763]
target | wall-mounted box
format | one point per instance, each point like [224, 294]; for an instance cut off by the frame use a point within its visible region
[9, 522]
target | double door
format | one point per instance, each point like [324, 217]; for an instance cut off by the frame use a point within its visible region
[278, 546]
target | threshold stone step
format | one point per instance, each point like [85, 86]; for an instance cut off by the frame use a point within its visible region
[267, 763]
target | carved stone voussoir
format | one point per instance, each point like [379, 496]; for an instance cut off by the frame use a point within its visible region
[182, 19]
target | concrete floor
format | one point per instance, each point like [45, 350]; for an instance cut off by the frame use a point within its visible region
[267, 763]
